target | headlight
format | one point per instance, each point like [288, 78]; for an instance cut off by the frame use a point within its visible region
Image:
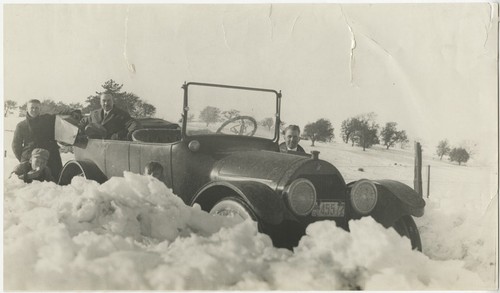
[301, 196]
[364, 196]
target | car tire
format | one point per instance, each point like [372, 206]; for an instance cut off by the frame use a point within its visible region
[233, 207]
[406, 227]
[70, 171]
[83, 169]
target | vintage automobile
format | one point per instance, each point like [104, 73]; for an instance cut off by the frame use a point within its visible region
[225, 161]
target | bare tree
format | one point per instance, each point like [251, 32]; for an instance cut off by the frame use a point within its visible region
[365, 130]
[443, 148]
[390, 135]
[267, 122]
[459, 155]
[321, 130]
[470, 146]
[8, 106]
[210, 115]
[347, 129]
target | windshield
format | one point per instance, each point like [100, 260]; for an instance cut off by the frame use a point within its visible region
[229, 111]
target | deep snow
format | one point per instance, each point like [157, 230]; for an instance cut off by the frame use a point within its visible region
[133, 233]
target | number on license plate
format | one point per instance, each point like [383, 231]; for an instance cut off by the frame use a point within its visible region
[329, 209]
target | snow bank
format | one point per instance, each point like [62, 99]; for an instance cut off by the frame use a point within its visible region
[132, 233]
[468, 236]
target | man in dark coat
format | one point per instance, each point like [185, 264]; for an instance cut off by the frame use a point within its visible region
[292, 138]
[109, 122]
[37, 131]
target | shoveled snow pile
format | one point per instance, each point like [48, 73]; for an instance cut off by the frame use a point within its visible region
[132, 233]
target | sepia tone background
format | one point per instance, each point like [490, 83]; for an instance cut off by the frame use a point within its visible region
[432, 68]
[429, 67]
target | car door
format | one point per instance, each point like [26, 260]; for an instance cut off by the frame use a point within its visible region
[116, 157]
[142, 153]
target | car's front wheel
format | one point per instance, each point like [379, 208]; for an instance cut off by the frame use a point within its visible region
[406, 227]
[80, 169]
[233, 207]
[69, 171]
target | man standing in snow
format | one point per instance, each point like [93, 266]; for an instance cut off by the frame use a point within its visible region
[109, 122]
[292, 138]
[37, 131]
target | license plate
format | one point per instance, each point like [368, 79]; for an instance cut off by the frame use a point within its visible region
[329, 209]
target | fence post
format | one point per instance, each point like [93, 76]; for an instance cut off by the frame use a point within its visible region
[417, 180]
[428, 180]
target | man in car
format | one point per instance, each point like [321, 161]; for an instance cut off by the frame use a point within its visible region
[109, 122]
[292, 138]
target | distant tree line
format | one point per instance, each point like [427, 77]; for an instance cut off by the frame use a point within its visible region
[210, 115]
[362, 130]
[124, 100]
[50, 107]
[455, 154]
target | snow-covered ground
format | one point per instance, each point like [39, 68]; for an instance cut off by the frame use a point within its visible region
[133, 233]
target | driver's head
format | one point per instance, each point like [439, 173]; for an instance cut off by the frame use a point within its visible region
[106, 101]
[292, 136]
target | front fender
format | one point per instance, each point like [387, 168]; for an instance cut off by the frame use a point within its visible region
[263, 200]
[395, 200]
[413, 202]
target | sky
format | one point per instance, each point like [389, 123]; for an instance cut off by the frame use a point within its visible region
[432, 68]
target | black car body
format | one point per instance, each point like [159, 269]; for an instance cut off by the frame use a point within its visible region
[237, 171]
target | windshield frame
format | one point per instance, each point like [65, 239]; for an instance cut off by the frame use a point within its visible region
[185, 87]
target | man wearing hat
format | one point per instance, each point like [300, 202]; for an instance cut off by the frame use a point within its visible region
[109, 122]
[36, 168]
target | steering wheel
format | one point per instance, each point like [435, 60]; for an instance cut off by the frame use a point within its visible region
[242, 125]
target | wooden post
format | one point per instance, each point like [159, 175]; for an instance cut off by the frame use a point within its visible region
[428, 180]
[417, 180]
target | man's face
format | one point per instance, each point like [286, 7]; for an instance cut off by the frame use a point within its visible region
[38, 163]
[291, 138]
[33, 109]
[106, 102]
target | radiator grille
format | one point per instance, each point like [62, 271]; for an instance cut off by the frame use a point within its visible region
[327, 186]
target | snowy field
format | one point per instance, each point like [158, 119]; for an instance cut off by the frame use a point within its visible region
[132, 233]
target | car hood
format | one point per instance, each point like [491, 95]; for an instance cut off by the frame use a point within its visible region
[259, 166]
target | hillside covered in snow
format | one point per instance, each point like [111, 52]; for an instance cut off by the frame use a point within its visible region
[133, 233]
